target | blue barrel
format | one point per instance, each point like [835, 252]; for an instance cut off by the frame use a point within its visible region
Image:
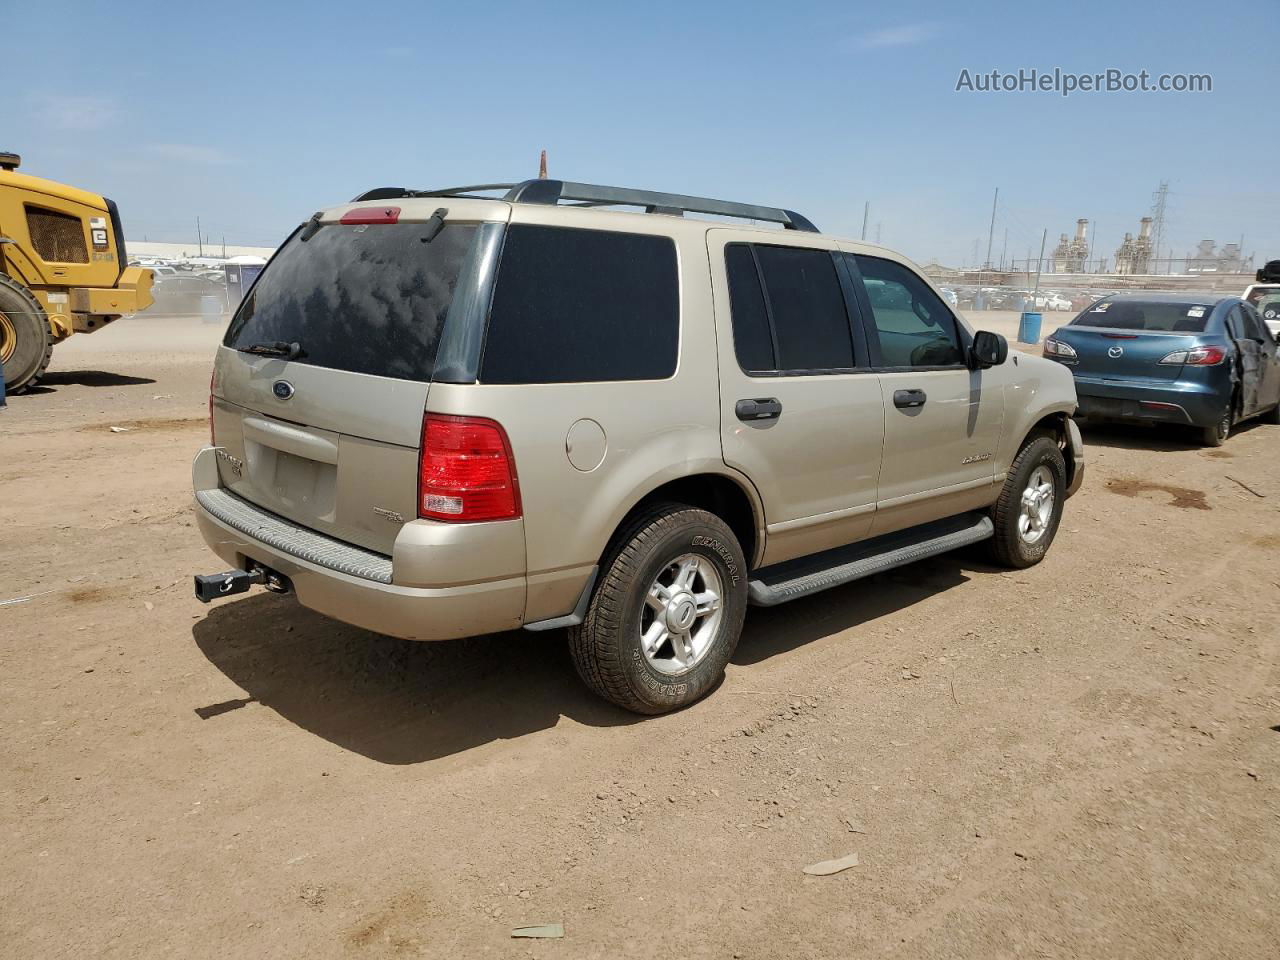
[1029, 328]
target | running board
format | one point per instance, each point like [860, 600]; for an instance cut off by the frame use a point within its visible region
[806, 575]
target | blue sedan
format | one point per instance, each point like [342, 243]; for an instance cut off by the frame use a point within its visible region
[1209, 362]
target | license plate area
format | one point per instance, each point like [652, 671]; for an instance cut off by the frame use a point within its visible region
[300, 486]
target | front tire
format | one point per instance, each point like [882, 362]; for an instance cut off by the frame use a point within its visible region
[26, 344]
[1029, 509]
[667, 612]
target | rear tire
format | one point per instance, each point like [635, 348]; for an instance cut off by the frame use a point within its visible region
[1216, 435]
[1029, 509]
[667, 612]
[26, 344]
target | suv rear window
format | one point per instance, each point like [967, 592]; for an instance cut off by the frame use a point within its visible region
[366, 299]
[582, 305]
[1134, 315]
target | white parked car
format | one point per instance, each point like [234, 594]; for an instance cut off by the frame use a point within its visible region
[1052, 301]
[1265, 297]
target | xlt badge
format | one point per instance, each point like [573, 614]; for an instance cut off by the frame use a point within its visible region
[976, 458]
[234, 463]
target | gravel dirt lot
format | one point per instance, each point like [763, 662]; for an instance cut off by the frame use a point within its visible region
[1076, 760]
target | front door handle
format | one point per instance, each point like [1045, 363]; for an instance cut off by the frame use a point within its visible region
[906, 399]
[770, 408]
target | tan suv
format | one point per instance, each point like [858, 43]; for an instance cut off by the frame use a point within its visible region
[438, 415]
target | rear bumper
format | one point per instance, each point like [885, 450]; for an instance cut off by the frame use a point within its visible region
[1174, 401]
[344, 582]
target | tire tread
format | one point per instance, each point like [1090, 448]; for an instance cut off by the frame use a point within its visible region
[11, 286]
[594, 656]
[1007, 505]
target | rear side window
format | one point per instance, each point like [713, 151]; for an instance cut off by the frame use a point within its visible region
[365, 299]
[582, 305]
[1150, 315]
[913, 326]
[787, 309]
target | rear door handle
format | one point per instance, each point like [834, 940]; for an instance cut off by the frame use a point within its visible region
[769, 408]
[909, 398]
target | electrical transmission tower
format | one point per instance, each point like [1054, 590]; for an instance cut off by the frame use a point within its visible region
[1159, 201]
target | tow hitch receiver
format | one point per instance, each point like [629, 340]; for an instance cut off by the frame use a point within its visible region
[211, 586]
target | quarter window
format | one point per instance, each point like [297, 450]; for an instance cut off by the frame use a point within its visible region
[788, 311]
[913, 325]
[582, 305]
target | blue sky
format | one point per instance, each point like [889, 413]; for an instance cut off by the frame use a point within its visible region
[254, 115]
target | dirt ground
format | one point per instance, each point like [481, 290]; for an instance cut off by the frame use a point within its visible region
[1077, 760]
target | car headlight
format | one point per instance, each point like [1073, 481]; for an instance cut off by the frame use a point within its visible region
[1056, 348]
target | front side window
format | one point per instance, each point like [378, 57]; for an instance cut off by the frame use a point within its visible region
[574, 305]
[913, 326]
[787, 309]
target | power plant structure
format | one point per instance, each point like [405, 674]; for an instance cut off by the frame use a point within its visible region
[1134, 256]
[1070, 256]
[1208, 259]
[1144, 261]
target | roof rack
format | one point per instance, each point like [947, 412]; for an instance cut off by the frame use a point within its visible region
[552, 192]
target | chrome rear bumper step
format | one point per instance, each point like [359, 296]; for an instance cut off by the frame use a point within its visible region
[800, 578]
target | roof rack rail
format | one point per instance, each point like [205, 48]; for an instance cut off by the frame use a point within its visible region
[553, 192]
[395, 193]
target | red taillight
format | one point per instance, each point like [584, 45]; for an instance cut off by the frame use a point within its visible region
[466, 472]
[213, 440]
[1197, 356]
[1206, 356]
[371, 215]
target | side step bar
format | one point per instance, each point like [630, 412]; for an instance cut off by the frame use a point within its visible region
[801, 577]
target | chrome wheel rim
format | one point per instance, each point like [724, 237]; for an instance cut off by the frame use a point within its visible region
[1037, 505]
[682, 614]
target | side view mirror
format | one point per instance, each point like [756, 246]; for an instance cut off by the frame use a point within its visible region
[988, 350]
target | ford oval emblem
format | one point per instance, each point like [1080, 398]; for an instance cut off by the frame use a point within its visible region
[283, 389]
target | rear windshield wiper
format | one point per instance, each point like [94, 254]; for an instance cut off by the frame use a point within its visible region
[275, 348]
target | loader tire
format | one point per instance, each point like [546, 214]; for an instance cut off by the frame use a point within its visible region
[26, 344]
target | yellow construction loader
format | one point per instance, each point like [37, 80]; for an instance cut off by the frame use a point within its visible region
[63, 270]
